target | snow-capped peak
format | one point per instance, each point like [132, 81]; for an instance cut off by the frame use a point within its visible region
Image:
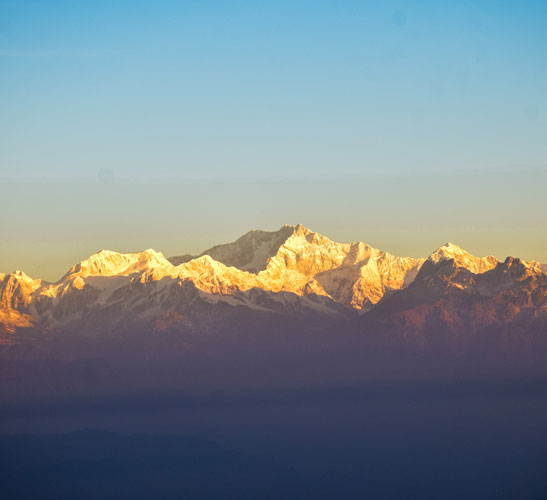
[249, 252]
[461, 257]
[21, 275]
[538, 265]
[448, 251]
[110, 263]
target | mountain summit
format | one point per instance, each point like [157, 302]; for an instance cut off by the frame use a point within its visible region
[294, 258]
[476, 265]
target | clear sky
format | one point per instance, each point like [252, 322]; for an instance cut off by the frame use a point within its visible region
[177, 125]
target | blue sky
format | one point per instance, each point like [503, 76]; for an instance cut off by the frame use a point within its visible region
[411, 97]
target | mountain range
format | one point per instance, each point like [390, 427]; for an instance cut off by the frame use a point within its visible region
[289, 275]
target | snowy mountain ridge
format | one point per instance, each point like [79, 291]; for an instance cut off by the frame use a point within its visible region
[290, 271]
